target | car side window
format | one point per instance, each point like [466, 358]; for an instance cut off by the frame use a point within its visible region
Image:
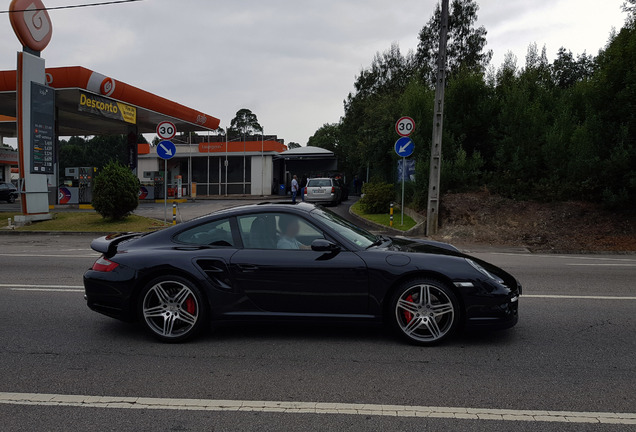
[216, 233]
[277, 231]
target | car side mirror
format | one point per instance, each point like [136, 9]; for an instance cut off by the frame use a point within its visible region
[322, 245]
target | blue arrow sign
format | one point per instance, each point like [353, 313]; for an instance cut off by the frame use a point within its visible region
[166, 150]
[404, 147]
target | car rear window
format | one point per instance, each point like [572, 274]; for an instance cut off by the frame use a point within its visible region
[319, 183]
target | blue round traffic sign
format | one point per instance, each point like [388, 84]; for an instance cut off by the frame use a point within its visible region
[166, 150]
[404, 147]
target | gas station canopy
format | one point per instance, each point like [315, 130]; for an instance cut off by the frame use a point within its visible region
[89, 103]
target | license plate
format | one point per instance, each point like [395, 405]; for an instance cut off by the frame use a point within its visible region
[319, 191]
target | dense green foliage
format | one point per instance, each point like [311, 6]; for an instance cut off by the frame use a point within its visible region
[115, 191]
[94, 152]
[377, 197]
[547, 131]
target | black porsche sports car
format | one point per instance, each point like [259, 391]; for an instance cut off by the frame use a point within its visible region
[291, 263]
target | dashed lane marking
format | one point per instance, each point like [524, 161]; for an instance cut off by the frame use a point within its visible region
[43, 288]
[24, 255]
[118, 402]
[602, 265]
[580, 297]
[78, 288]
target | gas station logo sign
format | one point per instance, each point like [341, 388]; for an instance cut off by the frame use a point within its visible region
[107, 108]
[31, 23]
[107, 87]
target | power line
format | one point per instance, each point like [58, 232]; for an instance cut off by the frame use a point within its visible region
[72, 6]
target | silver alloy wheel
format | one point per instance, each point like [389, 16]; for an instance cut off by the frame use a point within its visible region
[425, 313]
[170, 309]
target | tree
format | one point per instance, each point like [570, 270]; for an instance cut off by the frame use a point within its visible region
[94, 152]
[327, 137]
[244, 123]
[293, 145]
[465, 46]
[115, 191]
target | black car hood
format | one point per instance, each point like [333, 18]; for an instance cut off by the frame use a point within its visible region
[409, 245]
[403, 244]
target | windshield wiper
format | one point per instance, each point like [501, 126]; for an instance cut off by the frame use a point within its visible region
[378, 241]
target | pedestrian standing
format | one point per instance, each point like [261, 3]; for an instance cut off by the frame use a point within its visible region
[294, 188]
[356, 185]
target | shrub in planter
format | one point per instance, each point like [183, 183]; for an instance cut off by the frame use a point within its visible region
[115, 191]
[377, 197]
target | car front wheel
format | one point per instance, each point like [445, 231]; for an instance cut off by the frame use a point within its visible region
[11, 199]
[425, 311]
[172, 309]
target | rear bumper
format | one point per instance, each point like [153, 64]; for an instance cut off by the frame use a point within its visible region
[109, 298]
[313, 199]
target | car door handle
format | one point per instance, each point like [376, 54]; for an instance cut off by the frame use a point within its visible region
[247, 267]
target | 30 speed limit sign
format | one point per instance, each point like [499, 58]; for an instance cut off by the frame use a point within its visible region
[166, 130]
[404, 126]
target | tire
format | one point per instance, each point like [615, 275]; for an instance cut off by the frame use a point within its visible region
[11, 199]
[172, 309]
[424, 311]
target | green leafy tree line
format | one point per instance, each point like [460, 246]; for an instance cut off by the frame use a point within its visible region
[542, 130]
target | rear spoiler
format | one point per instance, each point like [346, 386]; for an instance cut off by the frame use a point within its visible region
[108, 244]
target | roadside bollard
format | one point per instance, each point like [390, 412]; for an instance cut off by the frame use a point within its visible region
[391, 213]
[174, 213]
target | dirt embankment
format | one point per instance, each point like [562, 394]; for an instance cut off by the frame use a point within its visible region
[482, 218]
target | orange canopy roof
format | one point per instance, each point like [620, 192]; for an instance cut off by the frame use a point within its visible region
[152, 108]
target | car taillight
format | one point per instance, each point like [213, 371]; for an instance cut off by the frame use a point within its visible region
[305, 191]
[333, 189]
[104, 265]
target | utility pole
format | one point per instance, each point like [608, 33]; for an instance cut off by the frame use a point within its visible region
[432, 211]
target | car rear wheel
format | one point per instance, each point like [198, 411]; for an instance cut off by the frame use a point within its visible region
[425, 311]
[172, 309]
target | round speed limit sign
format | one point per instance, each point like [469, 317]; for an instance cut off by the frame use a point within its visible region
[166, 130]
[404, 126]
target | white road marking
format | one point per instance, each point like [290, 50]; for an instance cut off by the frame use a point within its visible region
[603, 264]
[90, 255]
[78, 288]
[578, 257]
[40, 286]
[47, 289]
[581, 297]
[119, 402]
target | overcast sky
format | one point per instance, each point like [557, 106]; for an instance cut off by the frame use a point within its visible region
[292, 62]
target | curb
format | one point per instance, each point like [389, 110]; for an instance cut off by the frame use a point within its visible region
[380, 227]
[419, 228]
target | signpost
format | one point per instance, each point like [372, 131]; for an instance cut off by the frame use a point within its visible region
[404, 126]
[166, 150]
[404, 148]
[166, 130]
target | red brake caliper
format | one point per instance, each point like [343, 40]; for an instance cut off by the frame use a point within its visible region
[191, 305]
[408, 315]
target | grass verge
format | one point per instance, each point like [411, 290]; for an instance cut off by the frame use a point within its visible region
[87, 222]
[384, 218]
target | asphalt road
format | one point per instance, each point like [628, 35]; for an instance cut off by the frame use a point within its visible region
[573, 350]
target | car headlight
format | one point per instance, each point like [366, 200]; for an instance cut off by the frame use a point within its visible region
[483, 271]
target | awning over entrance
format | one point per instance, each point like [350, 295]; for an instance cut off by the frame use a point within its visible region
[309, 160]
[89, 103]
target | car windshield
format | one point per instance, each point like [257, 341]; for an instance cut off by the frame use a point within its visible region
[319, 183]
[354, 234]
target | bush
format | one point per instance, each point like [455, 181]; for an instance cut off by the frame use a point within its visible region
[377, 198]
[115, 191]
